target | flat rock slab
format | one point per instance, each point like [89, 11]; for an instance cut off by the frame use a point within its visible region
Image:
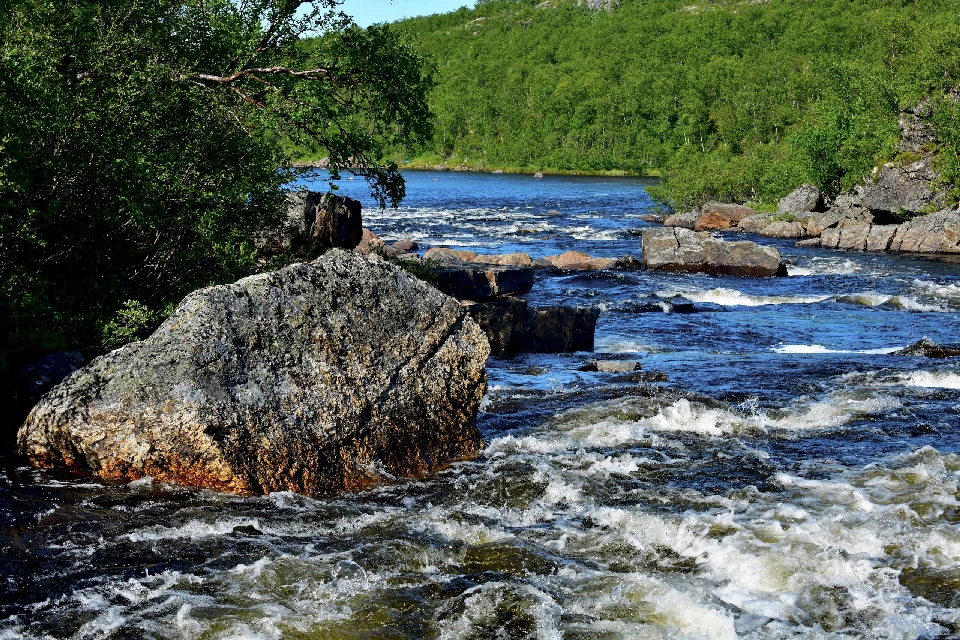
[680, 250]
[475, 281]
[318, 378]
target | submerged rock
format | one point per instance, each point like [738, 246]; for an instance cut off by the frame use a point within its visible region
[612, 366]
[318, 378]
[677, 249]
[927, 348]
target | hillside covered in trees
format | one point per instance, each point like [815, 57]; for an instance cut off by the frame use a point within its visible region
[729, 99]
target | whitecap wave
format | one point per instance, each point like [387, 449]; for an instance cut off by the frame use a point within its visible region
[820, 349]
[826, 266]
[899, 302]
[734, 298]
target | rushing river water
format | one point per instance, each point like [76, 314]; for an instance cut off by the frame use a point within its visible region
[793, 479]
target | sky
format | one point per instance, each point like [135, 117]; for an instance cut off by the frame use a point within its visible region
[367, 12]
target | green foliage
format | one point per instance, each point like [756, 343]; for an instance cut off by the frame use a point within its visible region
[946, 120]
[426, 270]
[141, 144]
[134, 321]
[730, 99]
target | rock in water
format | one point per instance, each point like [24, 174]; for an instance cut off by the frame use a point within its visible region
[680, 250]
[927, 348]
[318, 378]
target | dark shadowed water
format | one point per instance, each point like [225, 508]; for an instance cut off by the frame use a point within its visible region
[793, 479]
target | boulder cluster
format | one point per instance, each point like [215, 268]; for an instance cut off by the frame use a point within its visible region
[488, 286]
[899, 208]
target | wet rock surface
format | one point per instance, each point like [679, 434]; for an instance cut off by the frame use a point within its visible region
[927, 348]
[512, 326]
[319, 378]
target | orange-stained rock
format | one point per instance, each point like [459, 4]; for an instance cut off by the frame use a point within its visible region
[713, 221]
[369, 242]
[445, 255]
[318, 378]
[578, 261]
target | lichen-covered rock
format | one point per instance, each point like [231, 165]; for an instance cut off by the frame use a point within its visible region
[684, 219]
[676, 249]
[755, 223]
[935, 233]
[369, 242]
[880, 237]
[854, 238]
[517, 259]
[579, 261]
[444, 255]
[896, 189]
[318, 378]
[804, 199]
[717, 216]
[782, 229]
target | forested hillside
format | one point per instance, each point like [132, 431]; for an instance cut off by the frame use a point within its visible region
[726, 99]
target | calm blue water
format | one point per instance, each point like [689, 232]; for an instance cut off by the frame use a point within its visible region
[793, 479]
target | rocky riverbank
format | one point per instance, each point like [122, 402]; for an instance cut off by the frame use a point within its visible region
[901, 207]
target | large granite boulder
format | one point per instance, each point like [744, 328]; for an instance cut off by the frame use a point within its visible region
[318, 378]
[677, 249]
[512, 326]
[804, 199]
[896, 189]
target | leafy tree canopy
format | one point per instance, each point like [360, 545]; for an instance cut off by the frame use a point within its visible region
[141, 144]
[728, 99]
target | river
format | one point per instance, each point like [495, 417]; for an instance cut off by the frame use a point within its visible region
[792, 479]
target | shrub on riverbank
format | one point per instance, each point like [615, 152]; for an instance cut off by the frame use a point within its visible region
[140, 140]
